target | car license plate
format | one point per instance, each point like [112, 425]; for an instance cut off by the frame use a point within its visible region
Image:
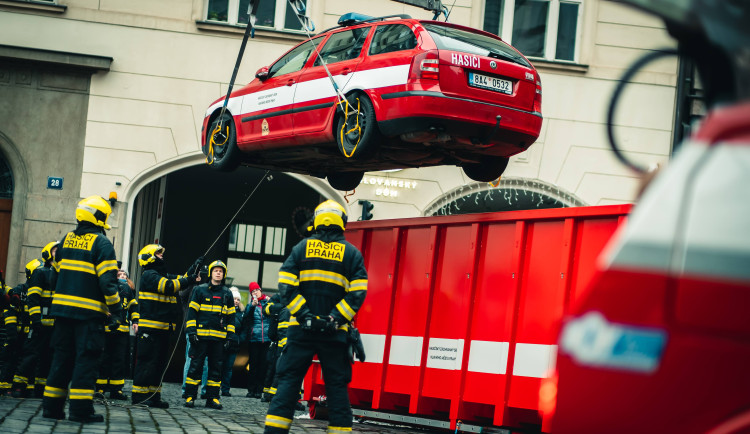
[491, 83]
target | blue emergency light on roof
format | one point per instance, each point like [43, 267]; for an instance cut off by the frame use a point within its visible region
[353, 17]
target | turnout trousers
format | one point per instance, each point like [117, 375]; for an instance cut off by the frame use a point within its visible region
[214, 350]
[258, 360]
[114, 362]
[11, 356]
[152, 354]
[35, 361]
[77, 345]
[292, 366]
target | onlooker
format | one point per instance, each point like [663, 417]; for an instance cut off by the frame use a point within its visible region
[231, 354]
[255, 333]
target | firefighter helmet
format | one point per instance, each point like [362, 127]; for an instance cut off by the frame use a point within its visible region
[94, 209]
[330, 213]
[147, 255]
[31, 266]
[215, 264]
[47, 250]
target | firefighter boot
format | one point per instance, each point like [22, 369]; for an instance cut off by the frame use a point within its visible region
[190, 402]
[214, 403]
[86, 418]
[118, 395]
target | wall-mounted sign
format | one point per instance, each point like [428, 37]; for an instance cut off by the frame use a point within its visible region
[388, 186]
[54, 183]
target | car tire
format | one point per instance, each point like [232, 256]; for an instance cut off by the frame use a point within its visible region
[345, 181]
[357, 144]
[226, 156]
[488, 169]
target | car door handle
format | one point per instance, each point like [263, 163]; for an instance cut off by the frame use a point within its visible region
[345, 71]
[290, 82]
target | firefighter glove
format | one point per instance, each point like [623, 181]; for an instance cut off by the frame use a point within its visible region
[194, 339]
[114, 322]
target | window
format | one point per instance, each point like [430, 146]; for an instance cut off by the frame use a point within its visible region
[255, 254]
[450, 38]
[547, 29]
[294, 60]
[344, 45]
[275, 14]
[392, 37]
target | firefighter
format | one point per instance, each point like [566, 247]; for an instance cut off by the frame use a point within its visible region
[278, 323]
[113, 364]
[16, 321]
[36, 355]
[323, 283]
[210, 330]
[157, 301]
[86, 297]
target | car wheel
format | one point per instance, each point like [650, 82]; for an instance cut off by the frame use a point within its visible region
[488, 169]
[345, 181]
[222, 141]
[356, 128]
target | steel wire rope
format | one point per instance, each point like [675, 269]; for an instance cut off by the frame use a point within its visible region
[182, 325]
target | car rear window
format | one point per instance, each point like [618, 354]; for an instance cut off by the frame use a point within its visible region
[392, 37]
[451, 38]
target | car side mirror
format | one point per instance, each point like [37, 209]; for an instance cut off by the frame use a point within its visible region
[262, 73]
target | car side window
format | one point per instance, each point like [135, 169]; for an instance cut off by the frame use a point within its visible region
[344, 45]
[294, 60]
[392, 37]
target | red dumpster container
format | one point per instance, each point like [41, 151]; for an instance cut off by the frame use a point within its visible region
[462, 312]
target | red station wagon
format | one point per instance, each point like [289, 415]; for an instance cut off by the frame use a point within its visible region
[408, 93]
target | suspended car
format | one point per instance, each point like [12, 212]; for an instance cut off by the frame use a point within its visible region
[381, 93]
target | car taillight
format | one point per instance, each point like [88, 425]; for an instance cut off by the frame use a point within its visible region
[538, 96]
[425, 66]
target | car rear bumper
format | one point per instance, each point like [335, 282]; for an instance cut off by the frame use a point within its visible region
[420, 110]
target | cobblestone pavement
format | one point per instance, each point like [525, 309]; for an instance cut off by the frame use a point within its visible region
[240, 414]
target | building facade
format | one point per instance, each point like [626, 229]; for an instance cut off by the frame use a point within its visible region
[109, 96]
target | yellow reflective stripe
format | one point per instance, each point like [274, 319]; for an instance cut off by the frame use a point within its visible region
[288, 278]
[35, 310]
[42, 381]
[194, 305]
[210, 383]
[81, 394]
[324, 276]
[47, 294]
[267, 308]
[230, 328]
[131, 303]
[282, 342]
[345, 310]
[140, 389]
[283, 324]
[272, 390]
[153, 324]
[56, 266]
[73, 265]
[338, 429]
[293, 321]
[20, 379]
[192, 382]
[105, 266]
[112, 299]
[296, 304]
[211, 308]
[117, 382]
[34, 290]
[123, 328]
[212, 333]
[162, 285]
[157, 297]
[11, 320]
[191, 323]
[278, 421]
[54, 392]
[358, 285]
[231, 310]
[79, 302]
[176, 283]
[135, 315]
[101, 381]
[48, 321]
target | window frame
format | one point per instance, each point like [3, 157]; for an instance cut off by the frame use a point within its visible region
[279, 16]
[507, 13]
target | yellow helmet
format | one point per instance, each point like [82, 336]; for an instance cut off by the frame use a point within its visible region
[330, 213]
[94, 209]
[47, 250]
[147, 255]
[31, 266]
[217, 264]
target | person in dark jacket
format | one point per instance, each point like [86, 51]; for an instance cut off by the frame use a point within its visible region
[185, 295]
[230, 355]
[323, 283]
[278, 320]
[255, 333]
[36, 359]
[210, 325]
[86, 296]
[159, 313]
[114, 361]
[16, 320]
